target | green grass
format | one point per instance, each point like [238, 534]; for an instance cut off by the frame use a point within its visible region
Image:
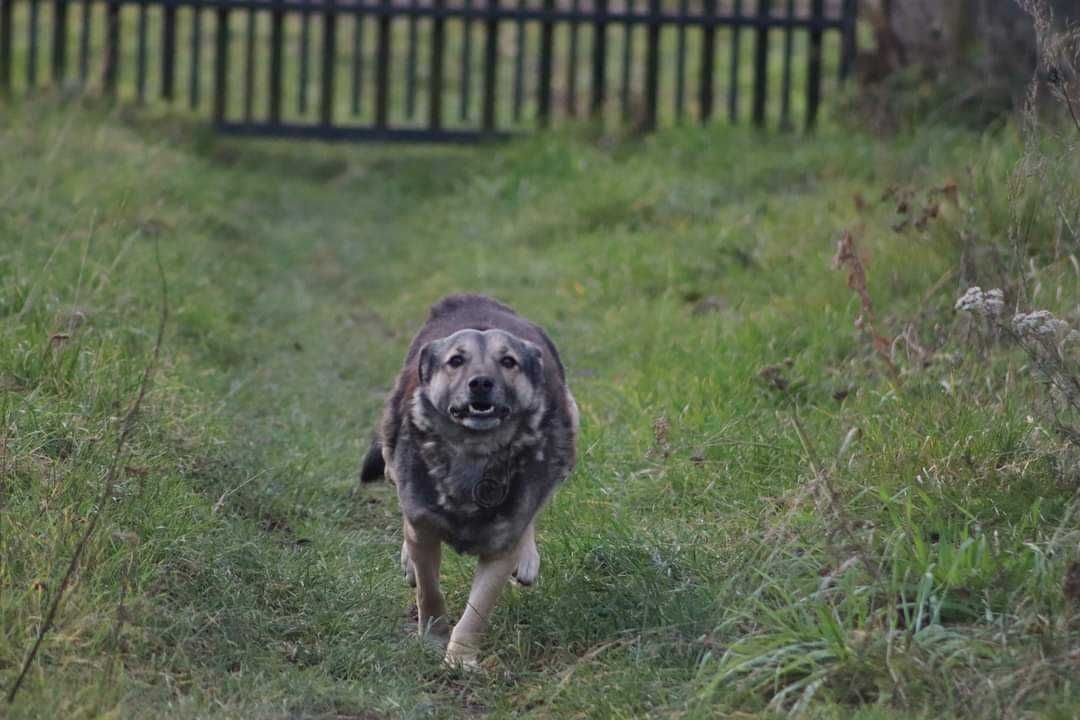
[238, 571]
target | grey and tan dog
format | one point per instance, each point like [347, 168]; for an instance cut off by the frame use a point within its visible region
[476, 435]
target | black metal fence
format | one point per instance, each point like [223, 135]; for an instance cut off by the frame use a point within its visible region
[449, 70]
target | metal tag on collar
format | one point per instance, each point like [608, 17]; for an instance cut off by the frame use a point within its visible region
[489, 493]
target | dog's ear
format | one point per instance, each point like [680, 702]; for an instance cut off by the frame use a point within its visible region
[533, 363]
[425, 366]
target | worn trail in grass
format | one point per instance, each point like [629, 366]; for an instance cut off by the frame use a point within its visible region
[682, 566]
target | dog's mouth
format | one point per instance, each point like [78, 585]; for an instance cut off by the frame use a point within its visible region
[479, 415]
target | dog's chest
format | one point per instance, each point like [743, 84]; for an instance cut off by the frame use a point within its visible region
[472, 485]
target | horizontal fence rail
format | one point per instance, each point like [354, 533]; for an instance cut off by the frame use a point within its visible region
[442, 70]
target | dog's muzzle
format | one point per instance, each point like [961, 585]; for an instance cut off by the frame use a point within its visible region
[479, 414]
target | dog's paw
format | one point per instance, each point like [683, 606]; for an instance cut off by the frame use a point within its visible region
[436, 632]
[463, 653]
[528, 566]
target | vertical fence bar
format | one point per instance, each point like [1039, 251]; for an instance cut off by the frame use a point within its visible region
[847, 57]
[358, 60]
[305, 53]
[547, 41]
[249, 65]
[652, 66]
[491, 66]
[382, 68]
[277, 41]
[329, 55]
[519, 62]
[466, 62]
[410, 64]
[435, 88]
[6, 20]
[572, 66]
[785, 82]
[761, 61]
[680, 61]
[708, 56]
[112, 46]
[627, 60]
[168, 51]
[140, 58]
[221, 64]
[195, 62]
[813, 73]
[59, 39]
[31, 60]
[736, 52]
[84, 39]
[599, 59]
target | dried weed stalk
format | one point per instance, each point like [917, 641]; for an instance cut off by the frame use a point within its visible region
[847, 258]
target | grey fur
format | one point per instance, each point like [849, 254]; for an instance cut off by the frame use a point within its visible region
[437, 451]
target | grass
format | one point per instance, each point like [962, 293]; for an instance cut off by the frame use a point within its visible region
[695, 565]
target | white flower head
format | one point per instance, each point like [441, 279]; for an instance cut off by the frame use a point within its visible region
[1038, 323]
[988, 304]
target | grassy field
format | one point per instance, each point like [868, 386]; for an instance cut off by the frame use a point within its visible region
[905, 557]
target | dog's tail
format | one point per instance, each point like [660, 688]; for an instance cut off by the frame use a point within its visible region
[373, 467]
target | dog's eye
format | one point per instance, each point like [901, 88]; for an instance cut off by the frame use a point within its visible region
[456, 361]
[508, 362]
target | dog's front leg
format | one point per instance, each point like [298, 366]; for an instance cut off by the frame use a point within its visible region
[425, 552]
[491, 575]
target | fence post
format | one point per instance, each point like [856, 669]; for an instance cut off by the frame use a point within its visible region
[435, 89]
[599, 59]
[761, 61]
[572, 66]
[410, 61]
[221, 64]
[813, 74]
[785, 81]
[626, 70]
[547, 37]
[277, 39]
[847, 57]
[249, 64]
[168, 51]
[680, 62]
[112, 46]
[329, 52]
[59, 39]
[652, 66]
[736, 54]
[357, 85]
[466, 61]
[491, 38]
[140, 54]
[708, 55]
[382, 67]
[196, 59]
[5, 47]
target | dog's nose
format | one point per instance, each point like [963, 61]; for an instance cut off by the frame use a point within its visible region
[481, 383]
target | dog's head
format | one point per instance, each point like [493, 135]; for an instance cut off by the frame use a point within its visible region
[480, 379]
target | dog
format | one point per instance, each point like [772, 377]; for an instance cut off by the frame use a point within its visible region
[477, 434]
